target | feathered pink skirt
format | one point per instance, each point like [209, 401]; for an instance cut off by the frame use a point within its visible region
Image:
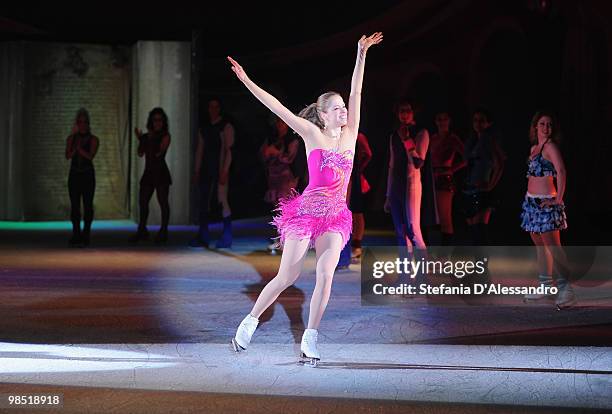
[309, 215]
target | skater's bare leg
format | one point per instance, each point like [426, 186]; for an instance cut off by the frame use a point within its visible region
[552, 240]
[565, 295]
[545, 259]
[328, 247]
[292, 260]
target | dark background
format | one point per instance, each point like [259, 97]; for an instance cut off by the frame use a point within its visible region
[513, 57]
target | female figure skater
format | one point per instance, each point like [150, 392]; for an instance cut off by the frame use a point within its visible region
[543, 209]
[318, 217]
[81, 148]
[447, 158]
[485, 165]
[156, 177]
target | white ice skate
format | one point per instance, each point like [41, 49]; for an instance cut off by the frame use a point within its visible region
[565, 297]
[546, 282]
[309, 353]
[244, 333]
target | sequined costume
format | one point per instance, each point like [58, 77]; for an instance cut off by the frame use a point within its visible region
[322, 206]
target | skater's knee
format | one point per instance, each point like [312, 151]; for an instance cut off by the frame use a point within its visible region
[287, 279]
[325, 276]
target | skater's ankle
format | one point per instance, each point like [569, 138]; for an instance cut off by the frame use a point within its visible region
[254, 317]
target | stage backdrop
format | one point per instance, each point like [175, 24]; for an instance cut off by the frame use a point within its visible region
[44, 84]
[11, 130]
[48, 83]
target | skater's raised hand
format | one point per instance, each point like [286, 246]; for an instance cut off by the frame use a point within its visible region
[238, 70]
[365, 42]
[138, 132]
[357, 80]
[303, 127]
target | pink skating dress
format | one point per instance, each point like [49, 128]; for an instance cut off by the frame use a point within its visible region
[322, 205]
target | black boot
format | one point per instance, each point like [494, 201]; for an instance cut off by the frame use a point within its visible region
[202, 239]
[141, 234]
[162, 236]
[76, 238]
[226, 238]
[86, 233]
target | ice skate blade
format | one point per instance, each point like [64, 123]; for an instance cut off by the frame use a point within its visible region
[308, 361]
[538, 300]
[237, 348]
[566, 305]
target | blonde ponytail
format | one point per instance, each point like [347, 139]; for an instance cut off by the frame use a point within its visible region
[313, 111]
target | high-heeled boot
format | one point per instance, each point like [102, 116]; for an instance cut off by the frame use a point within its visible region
[202, 239]
[76, 238]
[226, 238]
[86, 233]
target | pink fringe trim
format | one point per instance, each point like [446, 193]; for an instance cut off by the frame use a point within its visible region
[290, 224]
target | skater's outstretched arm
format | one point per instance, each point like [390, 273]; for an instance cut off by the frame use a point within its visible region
[303, 127]
[355, 98]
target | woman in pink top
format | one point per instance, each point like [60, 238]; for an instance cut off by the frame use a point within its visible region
[278, 153]
[319, 217]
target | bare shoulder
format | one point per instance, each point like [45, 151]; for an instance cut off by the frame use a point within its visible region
[551, 149]
[311, 131]
[313, 137]
[551, 146]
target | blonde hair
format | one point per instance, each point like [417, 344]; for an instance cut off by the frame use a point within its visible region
[313, 111]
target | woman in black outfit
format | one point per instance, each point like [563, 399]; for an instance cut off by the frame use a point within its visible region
[156, 177]
[81, 148]
[485, 165]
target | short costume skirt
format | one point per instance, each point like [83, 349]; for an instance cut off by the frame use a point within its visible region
[536, 218]
[310, 215]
